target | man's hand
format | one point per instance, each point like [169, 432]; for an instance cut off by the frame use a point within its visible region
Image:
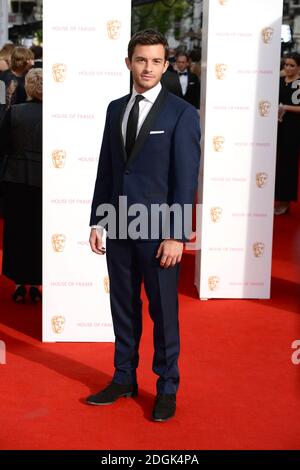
[170, 252]
[96, 242]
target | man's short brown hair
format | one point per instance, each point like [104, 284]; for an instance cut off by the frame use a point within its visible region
[147, 37]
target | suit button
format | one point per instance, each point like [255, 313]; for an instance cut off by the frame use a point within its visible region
[127, 172]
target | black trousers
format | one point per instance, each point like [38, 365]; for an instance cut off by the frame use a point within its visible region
[129, 262]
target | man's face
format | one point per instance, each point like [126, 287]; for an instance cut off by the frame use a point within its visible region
[181, 63]
[147, 66]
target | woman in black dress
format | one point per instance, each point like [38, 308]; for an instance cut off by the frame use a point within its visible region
[22, 183]
[22, 59]
[288, 142]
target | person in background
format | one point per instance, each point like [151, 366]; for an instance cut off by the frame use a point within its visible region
[189, 82]
[22, 183]
[288, 140]
[5, 56]
[22, 59]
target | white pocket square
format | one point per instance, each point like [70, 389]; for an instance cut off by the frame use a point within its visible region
[157, 132]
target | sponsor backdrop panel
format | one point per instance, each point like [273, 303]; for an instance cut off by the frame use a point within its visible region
[84, 70]
[239, 126]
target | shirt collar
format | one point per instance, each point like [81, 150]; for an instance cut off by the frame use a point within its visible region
[149, 95]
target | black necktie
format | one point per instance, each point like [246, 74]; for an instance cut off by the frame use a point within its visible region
[182, 73]
[132, 125]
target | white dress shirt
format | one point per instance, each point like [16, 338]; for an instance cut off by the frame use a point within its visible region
[183, 81]
[144, 107]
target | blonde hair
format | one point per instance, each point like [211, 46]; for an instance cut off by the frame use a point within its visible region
[6, 52]
[20, 57]
[34, 83]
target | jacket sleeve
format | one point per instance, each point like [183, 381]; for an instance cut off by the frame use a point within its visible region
[103, 183]
[184, 172]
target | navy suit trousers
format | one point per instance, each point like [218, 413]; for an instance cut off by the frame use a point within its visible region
[129, 262]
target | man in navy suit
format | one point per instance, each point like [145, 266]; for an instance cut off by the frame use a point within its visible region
[149, 157]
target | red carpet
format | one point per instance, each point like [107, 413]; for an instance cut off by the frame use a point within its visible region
[239, 388]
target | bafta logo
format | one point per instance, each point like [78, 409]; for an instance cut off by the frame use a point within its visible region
[258, 249]
[215, 214]
[221, 70]
[58, 324]
[106, 284]
[264, 108]
[58, 242]
[213, 283]
[59, 158]
[219, 143]
[114, 29]
[267, 35]
[261, 179]
[59, 72]
[223, 2]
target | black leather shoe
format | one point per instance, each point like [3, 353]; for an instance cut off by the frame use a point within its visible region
[164, 407]
[35, 294]
[111, 393]
[19, 295]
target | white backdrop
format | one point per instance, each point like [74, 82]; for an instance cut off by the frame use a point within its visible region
[239, 103]
[3, 22]
[85, 45]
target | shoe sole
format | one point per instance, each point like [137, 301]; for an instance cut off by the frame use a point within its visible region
[160, 420]
[126, 395]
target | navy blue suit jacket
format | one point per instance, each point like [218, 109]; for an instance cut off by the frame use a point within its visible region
[163, 166]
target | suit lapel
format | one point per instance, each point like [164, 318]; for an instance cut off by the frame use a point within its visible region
[146, 127]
